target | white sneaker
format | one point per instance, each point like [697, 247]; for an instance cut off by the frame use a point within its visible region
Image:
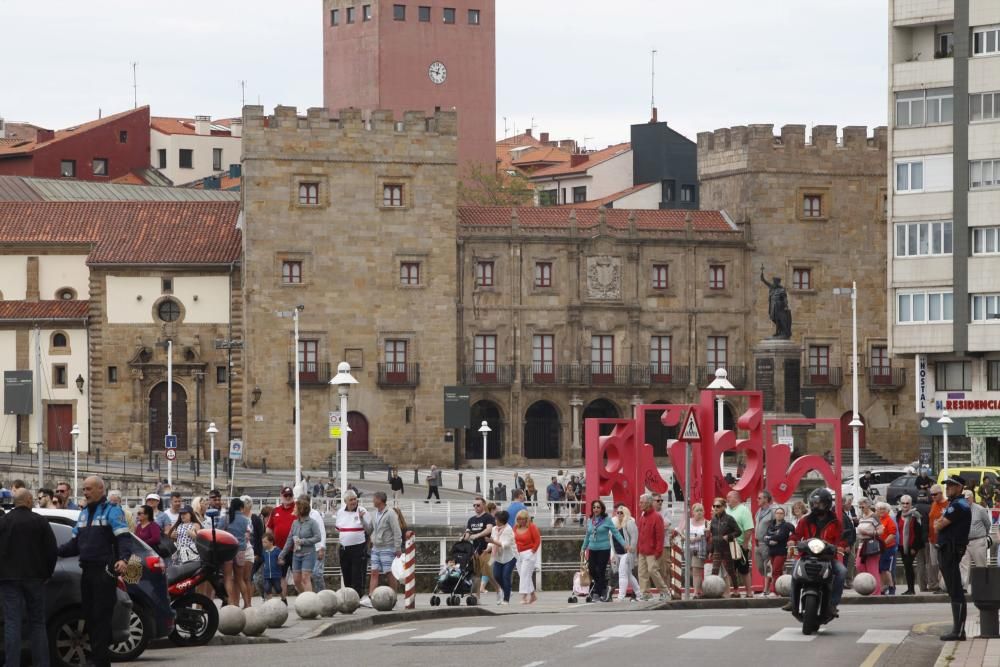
[499, 597]
[366, 602]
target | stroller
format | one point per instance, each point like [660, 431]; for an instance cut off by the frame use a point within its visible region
[583, 586]
[457, 581]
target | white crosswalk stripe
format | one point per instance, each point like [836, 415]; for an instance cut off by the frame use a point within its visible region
[790, 635]
[536, 631]
[883, 636]
[711, 632]
[624, 631]
[371, 634]
[455, 633]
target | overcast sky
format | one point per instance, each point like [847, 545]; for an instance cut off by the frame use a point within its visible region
[579, 68]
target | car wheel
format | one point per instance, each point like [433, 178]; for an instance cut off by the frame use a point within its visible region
[68, 642]
[141, 627]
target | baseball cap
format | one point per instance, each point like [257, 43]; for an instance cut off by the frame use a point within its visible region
[287, 491]
[152, 496]
[955, 479]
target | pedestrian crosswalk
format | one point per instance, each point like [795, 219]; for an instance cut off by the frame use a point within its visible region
[589, 637]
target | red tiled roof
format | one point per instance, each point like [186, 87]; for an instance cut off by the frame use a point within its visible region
[43, 310]
[68, 132]
[167, 125]
[617, 218]
[549, 154]
[593, 159]
[130, 232]
[604, 201]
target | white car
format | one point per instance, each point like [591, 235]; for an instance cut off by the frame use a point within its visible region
[880, 480]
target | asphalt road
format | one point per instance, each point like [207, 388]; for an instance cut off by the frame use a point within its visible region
[869, 636]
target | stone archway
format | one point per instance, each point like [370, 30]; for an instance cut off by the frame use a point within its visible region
[490, 412]
[656, 433]
[600, 408]
[542, 431]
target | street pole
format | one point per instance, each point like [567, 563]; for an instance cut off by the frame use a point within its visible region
[485, 430]
[856, 421]
[687, 522]
[76, 458]
[39, 444]
[170, 407]
[342, 390]
[298, 406]
[945, 422]
[212, 430]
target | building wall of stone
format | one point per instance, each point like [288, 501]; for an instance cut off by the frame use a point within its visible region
[762, 179]
[351, 248]
[515, 309]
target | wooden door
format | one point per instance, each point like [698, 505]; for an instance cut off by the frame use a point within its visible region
[357, 439]
[59, 420]
[158, 416]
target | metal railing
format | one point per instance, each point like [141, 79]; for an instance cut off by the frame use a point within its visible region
[398, 375]
[886, 377]
[314, 378]
[675, 376]
[736, 374]
[489, 374]
[596, 374]
[822, 378]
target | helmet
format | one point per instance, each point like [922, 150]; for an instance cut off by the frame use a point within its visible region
[821, 500]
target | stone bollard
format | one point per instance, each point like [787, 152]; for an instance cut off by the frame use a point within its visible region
[416, 478]
[985, 582]
[361, 471]
[460, 487]
[478, 486]
[263, 465]
[97, 456]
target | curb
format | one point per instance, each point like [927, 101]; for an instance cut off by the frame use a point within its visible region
[347, 626]
[221, 640]
[768, 603]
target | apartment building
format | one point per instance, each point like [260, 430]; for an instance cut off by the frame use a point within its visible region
[944, 233]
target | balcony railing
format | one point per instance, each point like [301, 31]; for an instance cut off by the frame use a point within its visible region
[886, 377]
[736, 374]
[672, 375]
[489, 374]
[614, 375]
[315, 375]
[398, 375]
[822, 377]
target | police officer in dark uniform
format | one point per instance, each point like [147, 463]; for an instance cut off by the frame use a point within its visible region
[101, 539]
[952, 538]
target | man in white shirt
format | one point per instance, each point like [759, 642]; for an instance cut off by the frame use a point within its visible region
[168, 517]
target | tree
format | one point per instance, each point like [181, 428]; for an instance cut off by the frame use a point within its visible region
[482, 185]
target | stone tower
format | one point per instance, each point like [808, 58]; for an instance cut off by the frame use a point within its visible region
[354, 220]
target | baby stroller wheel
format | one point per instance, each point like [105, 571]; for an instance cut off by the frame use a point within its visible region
[452, 600]
[471, 601]
[572, 599]
[590, 598]
[435, 601]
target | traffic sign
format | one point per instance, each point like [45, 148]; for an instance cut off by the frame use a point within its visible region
[690, 431]
[235, 449]
[171, 454]
[170, 441]
[334, 425]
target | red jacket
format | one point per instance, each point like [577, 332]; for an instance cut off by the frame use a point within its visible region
[650, 533]
[831, 532]
[280, 523]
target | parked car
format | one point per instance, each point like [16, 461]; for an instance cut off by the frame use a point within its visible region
[64, 610]
[973, 476]
[903, 486]
[151, 616]
[881, 478]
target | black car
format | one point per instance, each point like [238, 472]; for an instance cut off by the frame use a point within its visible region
[151, 616]
[903, 486]
[64, 610]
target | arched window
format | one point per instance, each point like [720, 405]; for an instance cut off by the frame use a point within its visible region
[59, 340]
[168, 310]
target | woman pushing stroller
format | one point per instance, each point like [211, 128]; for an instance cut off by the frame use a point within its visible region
[597, 548]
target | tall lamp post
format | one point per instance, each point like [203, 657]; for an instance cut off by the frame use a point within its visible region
[294, 314]
[856, 423]
[485, 430]
[343, 381]
[945, 422]
[721, 381]
[76, 458]
[211, 430]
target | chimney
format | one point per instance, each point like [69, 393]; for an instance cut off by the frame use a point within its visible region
[236, 128]
[203, 125]
[544, 138]
[653, 119]
[528, 132]
[577, 159]
[44, 135]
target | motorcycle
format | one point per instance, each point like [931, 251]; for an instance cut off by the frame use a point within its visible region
[813, 576]
[197, 617]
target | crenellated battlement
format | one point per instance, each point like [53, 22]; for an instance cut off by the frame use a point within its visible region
[351, 121]
[824, 137]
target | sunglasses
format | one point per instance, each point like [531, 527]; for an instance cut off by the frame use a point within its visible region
[717, 506]
[621, 513]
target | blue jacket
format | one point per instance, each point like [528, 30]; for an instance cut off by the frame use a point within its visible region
[100, 535]
[270, 567]
[599, 537]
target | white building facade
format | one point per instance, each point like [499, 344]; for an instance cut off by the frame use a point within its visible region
[187, 150]
[944, 231]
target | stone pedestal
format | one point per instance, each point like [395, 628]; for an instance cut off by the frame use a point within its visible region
[777, 374]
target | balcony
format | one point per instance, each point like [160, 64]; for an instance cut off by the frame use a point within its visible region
[398, 375]
[736, 374]
[487, 374]
[886, 377]
[318, 375]
[922, 12]
[675, 376]
[596, 374]
[822, 378]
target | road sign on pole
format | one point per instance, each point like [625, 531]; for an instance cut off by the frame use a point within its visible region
[235, 449]
[170, 442]
[171, 454]
[335, 425]
[690, 431]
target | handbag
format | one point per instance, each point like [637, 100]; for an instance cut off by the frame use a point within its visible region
[735, 551]
[871, 547]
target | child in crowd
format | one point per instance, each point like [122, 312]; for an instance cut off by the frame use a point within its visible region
[270, 570]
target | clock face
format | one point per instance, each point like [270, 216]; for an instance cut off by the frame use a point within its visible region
[437, 72]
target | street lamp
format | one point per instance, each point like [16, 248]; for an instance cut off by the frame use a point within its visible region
[721, 381]
[211, 430]
[856, 422]
[485, 430]
[343, 381]
[294, 314]
[76, 458]
[945, 422]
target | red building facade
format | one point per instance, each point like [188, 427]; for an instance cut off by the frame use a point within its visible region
[101, 150]
[416, 56]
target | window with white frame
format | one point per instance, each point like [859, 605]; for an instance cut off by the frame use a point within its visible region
[953, 376]
[918, 108]
[917, 307]
[986, 307]
[659, 356]
[984, 173]
[985, 240]
[914, 239]
[909, 176]
[910, 106]
[986, 40]
[984, 107]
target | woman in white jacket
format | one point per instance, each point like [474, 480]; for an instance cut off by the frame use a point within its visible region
[504, 554]
[626, 524]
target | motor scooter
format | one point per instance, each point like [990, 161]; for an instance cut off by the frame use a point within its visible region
[813, 575]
